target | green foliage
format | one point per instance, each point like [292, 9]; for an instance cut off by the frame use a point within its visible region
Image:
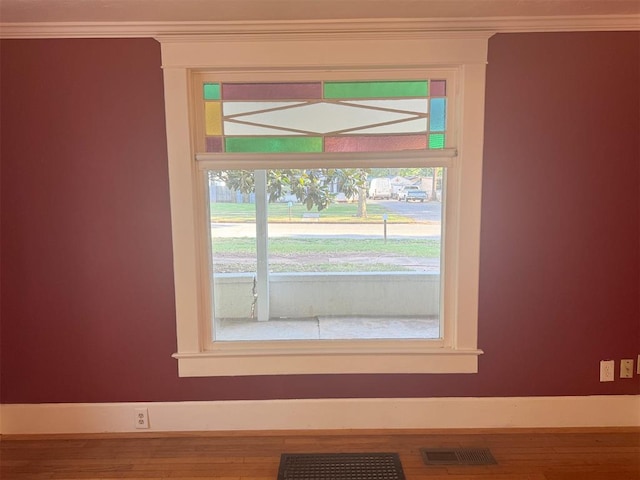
[312, 187]
[237, 255]
[350, 180]
[382, 172]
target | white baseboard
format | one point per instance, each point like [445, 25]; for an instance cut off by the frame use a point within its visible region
[326, 414]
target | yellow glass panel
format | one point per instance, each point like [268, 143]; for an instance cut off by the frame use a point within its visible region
[213, 118]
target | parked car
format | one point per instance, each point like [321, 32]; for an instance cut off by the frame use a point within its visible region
[416, 196]
[412, 193]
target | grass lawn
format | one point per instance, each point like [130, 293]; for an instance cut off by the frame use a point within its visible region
[312, 268]
[334, 267]
[329, 254]
[279, 212]
[326, 246]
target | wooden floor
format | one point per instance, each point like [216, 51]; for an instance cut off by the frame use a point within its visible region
[521, 455]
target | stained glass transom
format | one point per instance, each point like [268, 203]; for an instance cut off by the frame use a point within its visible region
[369, 116]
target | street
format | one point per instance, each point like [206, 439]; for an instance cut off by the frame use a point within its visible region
[419, 212]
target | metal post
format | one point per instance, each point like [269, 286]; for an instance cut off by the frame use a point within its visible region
[384, 218]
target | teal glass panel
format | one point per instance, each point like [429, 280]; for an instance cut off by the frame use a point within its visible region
[273, 144]
[376, 89]
[211, 91]
[438, 109]
[436, 140]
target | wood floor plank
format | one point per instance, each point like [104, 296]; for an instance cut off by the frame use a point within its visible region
[604, 454]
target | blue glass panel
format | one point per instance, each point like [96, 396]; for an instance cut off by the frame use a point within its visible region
[437, 111]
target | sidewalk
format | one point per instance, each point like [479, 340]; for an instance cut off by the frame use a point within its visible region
[328, 328]
[369, 230]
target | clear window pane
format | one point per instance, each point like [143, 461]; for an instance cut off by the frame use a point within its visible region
[233, 244]
[352, 254]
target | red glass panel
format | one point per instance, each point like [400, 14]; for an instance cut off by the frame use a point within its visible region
[381, 143]
[272, 91]
[213, 144]
[438, 88]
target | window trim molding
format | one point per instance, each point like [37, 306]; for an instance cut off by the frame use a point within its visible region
[515, 24]
[387, 57]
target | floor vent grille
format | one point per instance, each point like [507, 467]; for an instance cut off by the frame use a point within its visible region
[340, 466]
[457, 456]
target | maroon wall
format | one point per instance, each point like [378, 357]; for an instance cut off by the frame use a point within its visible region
[87, 295]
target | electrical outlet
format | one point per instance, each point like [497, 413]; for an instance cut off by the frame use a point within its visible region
[142, 418]
[607, 368]
[626, 368]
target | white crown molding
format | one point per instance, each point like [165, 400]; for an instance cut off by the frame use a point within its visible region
[319, 27]
[326, 414]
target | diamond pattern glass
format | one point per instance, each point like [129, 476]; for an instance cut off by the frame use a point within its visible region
[361, 116]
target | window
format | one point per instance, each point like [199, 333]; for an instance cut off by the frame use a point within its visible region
[244, 128]
[327, 271]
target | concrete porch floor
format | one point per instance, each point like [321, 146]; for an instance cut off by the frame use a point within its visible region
[328, 328]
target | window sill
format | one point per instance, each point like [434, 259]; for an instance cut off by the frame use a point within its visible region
[273, 358]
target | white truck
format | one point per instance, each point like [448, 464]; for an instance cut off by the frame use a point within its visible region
[380, 188]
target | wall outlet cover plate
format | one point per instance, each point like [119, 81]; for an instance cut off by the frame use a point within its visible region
[607, 368]
[626, 368]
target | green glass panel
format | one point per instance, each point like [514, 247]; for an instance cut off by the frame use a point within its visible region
[375, 89]
[211, 91]
[436, 140]
[273, 144]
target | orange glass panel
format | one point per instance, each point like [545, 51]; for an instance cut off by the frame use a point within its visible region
[213, 118]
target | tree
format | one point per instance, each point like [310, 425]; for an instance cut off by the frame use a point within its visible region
[352, 182]
[416, 172]
[312, 187]
[436, 175]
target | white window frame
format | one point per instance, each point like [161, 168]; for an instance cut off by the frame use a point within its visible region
[274, 57]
